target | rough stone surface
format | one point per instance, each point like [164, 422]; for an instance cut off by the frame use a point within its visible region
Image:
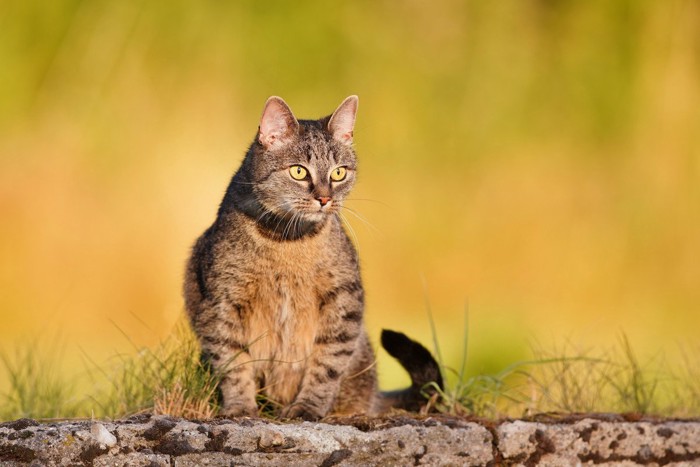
[403, 440]
[591, 441]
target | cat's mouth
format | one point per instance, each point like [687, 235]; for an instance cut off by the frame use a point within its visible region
[318, 208]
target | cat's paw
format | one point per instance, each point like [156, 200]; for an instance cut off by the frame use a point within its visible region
[301, 411]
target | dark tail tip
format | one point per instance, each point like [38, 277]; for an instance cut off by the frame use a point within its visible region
[416, 359]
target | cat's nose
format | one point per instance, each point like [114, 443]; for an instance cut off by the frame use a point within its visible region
[324, 200]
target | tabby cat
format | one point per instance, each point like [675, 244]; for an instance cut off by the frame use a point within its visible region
[273, 287]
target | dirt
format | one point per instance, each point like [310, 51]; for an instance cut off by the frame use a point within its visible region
[402, 439]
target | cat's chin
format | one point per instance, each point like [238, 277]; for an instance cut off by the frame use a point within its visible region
[315, 216]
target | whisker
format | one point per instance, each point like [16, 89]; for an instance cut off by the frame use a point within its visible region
[291, 226]
[278, 223]
[284, 231]
[370, 200]
[367, 223]
[290, 223]
[268, 211]
[298, 222]
[244, 183]
[352, 231]
[281, 216]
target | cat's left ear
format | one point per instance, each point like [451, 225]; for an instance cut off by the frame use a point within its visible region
[342, 121]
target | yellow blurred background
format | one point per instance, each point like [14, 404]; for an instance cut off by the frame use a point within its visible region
[538, 160]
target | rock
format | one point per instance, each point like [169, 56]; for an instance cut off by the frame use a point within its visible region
[591, 441]
[102, 436]
[404, 440]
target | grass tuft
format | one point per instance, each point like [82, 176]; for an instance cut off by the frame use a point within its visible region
[35, 388]
[169, 380]
[684, 398]
[570, 380]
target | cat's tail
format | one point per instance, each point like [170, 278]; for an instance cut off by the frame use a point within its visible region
[421, 367]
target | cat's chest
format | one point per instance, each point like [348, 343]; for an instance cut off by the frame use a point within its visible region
[291, 274]
[285, 298]
[284, 294]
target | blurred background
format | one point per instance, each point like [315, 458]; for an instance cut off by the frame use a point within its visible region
[535, 161]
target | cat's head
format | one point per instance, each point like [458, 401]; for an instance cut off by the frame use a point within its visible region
[303, 168]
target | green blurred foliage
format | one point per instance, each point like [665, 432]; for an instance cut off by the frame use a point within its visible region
[538, 159]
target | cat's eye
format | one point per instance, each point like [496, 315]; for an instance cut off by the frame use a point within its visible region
[338, 174]
[297, 172]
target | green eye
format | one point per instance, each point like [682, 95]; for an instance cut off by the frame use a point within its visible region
[297, 172]
[338, 174]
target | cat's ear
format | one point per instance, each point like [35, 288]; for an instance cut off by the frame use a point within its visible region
[277, 125]
[342, 121]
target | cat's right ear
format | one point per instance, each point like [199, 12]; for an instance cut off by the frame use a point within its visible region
[277, 125]
[342, 121]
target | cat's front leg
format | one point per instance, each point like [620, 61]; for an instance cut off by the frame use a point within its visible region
[237, 386]
[341, 311]
[230, 362]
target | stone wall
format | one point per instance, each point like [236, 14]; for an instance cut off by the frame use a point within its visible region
[438, 440]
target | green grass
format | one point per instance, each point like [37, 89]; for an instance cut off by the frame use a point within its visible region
[170, 379]
[36, 389]
[568, 379]
[604, 381]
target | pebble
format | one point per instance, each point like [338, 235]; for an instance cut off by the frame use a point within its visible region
[102, 435]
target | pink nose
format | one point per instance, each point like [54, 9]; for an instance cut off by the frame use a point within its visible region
[324, 200]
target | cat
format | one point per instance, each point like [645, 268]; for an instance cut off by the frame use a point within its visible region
[273, 289]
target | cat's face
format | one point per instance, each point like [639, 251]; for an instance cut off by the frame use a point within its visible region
[304, 169]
